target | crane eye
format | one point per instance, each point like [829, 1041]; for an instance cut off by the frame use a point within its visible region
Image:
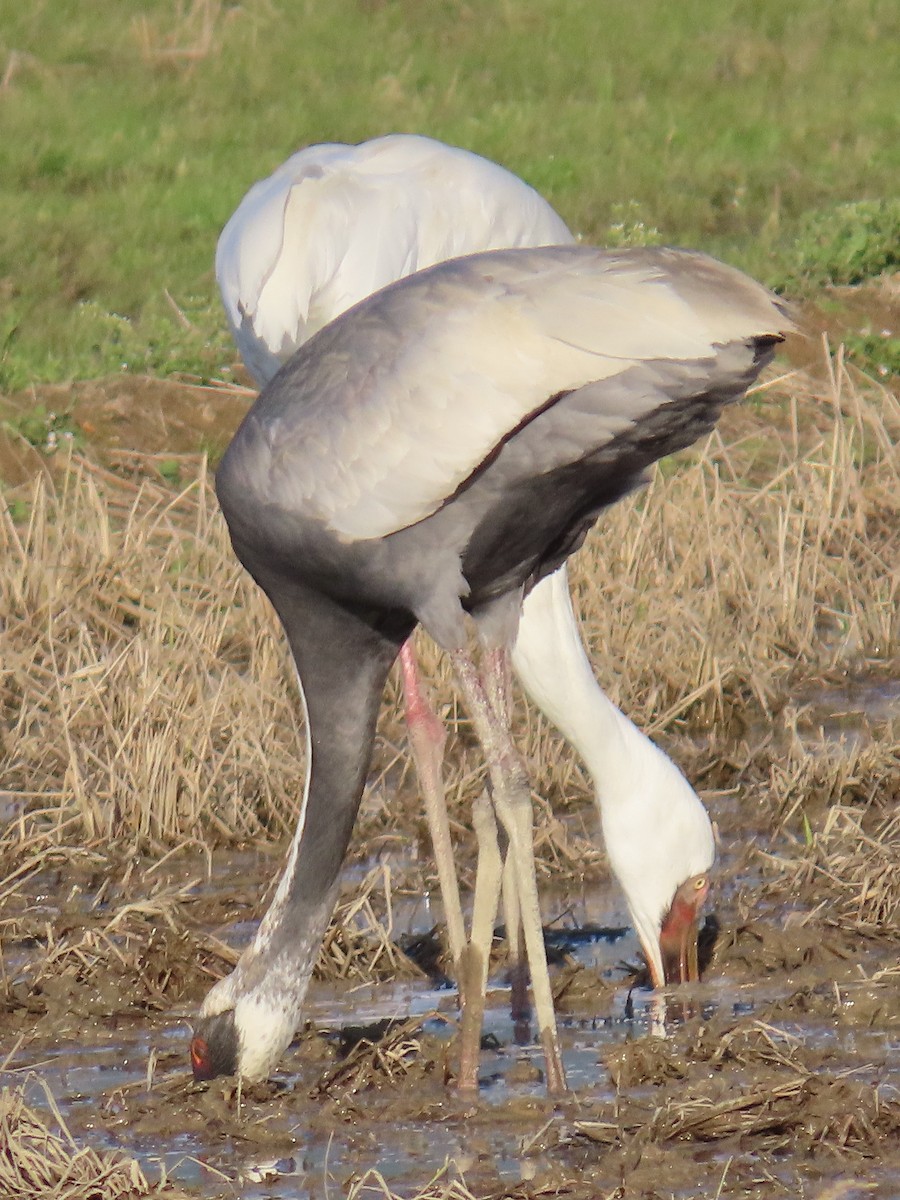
[700, 882]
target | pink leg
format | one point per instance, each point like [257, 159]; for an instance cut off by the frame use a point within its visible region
[427, 737]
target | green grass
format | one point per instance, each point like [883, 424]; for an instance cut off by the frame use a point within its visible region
[721, 126]
[846, 244]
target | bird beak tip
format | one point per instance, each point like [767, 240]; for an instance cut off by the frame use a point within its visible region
[679, 932]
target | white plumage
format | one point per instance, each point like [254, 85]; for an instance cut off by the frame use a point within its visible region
[336, 223]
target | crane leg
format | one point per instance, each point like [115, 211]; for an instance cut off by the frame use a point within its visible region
[500, 696]
[476, 959]
[519, 1008]
[512, 804]
[427, 737]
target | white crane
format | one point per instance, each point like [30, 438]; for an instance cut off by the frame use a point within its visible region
[362, 511]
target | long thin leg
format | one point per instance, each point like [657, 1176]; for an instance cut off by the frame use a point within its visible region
[500, 697]
[519, 1008]
[498, 684]
[512, 804]
[478, 953]
[426, 738]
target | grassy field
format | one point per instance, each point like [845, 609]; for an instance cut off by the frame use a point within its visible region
[129, 132]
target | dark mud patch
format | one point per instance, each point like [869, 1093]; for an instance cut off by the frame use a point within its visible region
[125, 420]
[865, 318]
[781, 1066]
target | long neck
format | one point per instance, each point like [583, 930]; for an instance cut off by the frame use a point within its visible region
[656, 830]
[342, 664]
[550, 660]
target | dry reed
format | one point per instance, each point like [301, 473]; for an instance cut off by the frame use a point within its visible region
[141, 682]
[38, 1164]
[144, 687]
[853, 865]
[359, 945]
[190, 38]
[384, 1061]
[373, 1185]
[780, 1113]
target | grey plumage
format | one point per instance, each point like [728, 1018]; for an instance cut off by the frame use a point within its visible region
[433, 452]
[376, 459]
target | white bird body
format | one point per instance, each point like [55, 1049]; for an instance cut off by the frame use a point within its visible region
[335, 223]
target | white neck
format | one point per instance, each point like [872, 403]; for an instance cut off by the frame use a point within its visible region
[656, 830]
[550, 660]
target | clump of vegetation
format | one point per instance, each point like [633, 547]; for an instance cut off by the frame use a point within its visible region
[630, 227]
[38, 1163]
[47, 430]
[168, 338]
[875, 350]
[848, 243]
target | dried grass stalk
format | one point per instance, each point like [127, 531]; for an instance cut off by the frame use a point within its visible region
[37, 1164]
[836, 1112]
[853, 864]
[359, 944]
[373, 1186]
[141, 675]
[384, 1062]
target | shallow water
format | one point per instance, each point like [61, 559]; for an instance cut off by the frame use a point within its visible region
[99, 1081]
[88, 1076]
[287, 1141]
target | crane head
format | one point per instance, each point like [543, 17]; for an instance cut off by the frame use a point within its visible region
[242, 1034]
[678, 934]
[660, 844]
[214, 1046]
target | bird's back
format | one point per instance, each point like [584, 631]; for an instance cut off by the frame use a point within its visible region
[400, 403]
[335, 223]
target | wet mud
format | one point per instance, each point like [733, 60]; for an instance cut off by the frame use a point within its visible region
[778, 1074]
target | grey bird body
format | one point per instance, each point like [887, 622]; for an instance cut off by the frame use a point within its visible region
[449, 440]
[434, 452]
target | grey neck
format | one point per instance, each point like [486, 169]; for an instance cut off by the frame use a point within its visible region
[342, 663]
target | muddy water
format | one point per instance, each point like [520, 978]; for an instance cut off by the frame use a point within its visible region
[98, 1078]
[790, 1046]
[790, 1001]
[287, 1142]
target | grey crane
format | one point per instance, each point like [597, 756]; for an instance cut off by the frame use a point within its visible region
[427, 457]
[329, 227]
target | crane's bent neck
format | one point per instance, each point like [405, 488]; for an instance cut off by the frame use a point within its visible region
[656, 830]
[342, 664]
[550, 660]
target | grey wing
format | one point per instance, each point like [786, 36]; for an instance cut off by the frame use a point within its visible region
[392, 408]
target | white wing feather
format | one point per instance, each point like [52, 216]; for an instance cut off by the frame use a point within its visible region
[335, 223]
